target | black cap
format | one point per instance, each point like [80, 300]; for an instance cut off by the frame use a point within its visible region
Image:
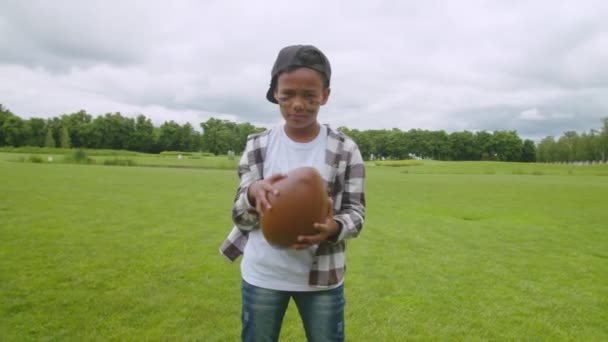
[306, 56]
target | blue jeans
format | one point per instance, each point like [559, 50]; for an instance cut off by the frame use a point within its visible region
[322, 313]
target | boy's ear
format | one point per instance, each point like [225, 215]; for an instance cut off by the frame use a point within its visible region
[325, 95]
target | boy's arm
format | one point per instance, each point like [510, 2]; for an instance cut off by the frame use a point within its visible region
[244, 215]
[351, 214]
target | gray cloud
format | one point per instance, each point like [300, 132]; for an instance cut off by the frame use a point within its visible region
[434, 65]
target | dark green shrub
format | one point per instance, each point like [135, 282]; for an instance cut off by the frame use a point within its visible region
[79, 156]
[35, 159]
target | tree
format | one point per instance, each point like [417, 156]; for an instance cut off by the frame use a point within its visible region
[507, 145]
[440, 149]
[528, 153]
[484, 143]
[36, 129]
[188, 138]
[462, 146]
[542, 150]
[395, 144]
[49, 141]
[379, 142]
[585, 148]
[13, 130]
[4, 115]
[54, 125]
[567, 144]
[79, 127]
[362, 140]
[595, 145]
[416, 143]
[143, 137]
[604, 140]
[221, 136]
[112, 131]
[168, 139]
[218, 135]
[243, 131]
[65, 138]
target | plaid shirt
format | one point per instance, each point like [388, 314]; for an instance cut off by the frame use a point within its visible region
[345, 184]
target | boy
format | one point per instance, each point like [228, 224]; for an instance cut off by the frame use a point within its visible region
[312, 271]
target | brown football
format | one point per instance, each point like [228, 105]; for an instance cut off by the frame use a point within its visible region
[301, 202]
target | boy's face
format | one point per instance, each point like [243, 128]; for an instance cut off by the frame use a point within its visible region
[300, 94]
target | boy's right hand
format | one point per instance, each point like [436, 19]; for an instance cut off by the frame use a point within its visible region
[258, 192]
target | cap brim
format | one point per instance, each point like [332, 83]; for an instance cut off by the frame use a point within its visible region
[270, 95]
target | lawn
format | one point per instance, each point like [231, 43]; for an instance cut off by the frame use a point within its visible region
[450, 251]
[101, 157]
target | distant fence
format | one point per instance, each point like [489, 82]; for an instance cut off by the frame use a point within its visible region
[578, 163]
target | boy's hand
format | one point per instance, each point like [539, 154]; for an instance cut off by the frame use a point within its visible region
[258, 192]
[325, 230]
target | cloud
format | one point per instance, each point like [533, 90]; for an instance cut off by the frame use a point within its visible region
[535, 67]
[532, 115]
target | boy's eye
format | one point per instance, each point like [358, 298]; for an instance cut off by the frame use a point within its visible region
[283, 97]
[310, 98]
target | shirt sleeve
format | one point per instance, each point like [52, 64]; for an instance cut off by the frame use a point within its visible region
[351, 214]
[244, 215]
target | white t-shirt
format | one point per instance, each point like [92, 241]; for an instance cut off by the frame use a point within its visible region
[270, 267]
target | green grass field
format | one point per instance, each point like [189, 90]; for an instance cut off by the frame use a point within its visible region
[450, 251]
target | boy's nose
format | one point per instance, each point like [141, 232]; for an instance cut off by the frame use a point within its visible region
[298, 106]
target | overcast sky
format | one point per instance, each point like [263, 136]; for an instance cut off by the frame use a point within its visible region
[538, 67]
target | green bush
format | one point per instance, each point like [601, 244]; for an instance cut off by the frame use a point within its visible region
[79, 156]
[122, 153]
[35, 159]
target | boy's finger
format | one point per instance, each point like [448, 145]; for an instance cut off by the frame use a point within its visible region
[277, 177]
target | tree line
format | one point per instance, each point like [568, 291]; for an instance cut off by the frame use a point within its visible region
[574, 147]
[116, 131]
[482, 145]
[439, 145]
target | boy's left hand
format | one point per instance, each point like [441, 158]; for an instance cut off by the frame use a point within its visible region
[325, 230]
